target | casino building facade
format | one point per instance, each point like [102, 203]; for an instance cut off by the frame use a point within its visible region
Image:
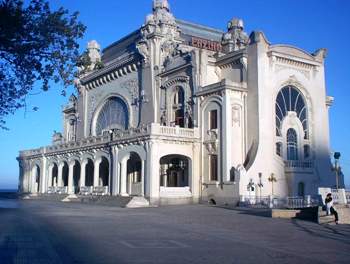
[181, 111]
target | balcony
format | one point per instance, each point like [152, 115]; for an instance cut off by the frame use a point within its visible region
[130, 135]
[299, 166]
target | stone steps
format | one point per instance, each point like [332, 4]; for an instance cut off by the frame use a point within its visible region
[343, 213]
[107, 200]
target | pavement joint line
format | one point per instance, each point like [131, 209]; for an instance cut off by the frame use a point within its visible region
[151, 244]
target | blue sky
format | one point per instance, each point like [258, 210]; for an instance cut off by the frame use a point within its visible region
[307, 24]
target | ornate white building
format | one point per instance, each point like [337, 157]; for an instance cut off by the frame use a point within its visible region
[180, 111]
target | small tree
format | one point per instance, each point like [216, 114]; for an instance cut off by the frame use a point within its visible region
[37, 45]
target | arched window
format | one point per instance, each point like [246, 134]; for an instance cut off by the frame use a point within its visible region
[292, 144]
[113, 115]
[289, 99]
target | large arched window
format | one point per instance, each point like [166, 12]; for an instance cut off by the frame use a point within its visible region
[289, 99]
[113, 115]
[292, 144]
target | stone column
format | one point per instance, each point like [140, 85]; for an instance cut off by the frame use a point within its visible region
[153, 171]
[43, 176]
[165, 176]
[49, 180]
[142, 177]
[70, 178]
[123, 176]
[59, 175]
[115, 172]
[82, 172]
[97, 171]
[32, 179]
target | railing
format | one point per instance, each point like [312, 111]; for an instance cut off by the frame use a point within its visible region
[347, 194]
[298, 164]
[86, 190]
[118, 135]
[175, 192]
[335, 195]
[174, 131]
[31, 152]
[75, 144]
[62, 190]
[277, 202]
[100, 190]
[51, 189]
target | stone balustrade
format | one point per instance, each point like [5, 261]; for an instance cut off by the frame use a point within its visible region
[62, 190]
[100, 190]
[299, 164]
[86, 190]
[153, 129]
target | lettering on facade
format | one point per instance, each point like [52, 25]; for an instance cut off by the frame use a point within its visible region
[206, 44]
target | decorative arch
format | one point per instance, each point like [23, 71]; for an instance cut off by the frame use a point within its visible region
[125, 152]
[175, 170]
[36, 177]
[87, 156]
[176, 105]
[101, 154]
[113, 113]
[293, 110]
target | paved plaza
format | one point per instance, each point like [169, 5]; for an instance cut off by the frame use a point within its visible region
[54, 232]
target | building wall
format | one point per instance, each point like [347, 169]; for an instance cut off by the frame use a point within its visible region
[241, 81]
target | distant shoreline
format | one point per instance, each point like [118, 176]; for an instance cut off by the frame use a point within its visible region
[8, 190]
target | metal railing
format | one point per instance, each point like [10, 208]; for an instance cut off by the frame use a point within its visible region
[347, 194]
[278, 202]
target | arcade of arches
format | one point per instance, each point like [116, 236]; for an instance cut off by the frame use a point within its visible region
[73, 175]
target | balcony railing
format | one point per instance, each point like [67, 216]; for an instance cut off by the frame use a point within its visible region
[299, 164]
[130, 134]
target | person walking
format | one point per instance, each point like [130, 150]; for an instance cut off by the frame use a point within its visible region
[329, 207]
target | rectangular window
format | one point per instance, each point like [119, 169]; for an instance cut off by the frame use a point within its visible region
[306, 151]
[279, 149]
[213, 115]
[213, 163]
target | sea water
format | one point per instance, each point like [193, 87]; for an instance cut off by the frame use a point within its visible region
[8, 199]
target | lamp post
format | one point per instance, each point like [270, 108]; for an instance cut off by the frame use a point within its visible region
[272, 179]
[250, 186]
[260, 185]
[336, 168]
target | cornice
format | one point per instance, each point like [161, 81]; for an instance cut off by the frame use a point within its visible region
[230, 59]
[219, 87]
[114, 70]
[283, 58]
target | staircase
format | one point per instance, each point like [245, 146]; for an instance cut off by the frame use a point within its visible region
[343, 213]
[107, 200]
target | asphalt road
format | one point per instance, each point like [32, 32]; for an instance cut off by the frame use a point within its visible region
[54, 232]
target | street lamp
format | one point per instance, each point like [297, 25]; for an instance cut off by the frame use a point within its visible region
[272, 179]
[260, 185]
[336, 168]
[250, 187]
